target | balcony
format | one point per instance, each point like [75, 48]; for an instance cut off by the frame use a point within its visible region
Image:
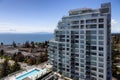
[87, 62]
[91, 21]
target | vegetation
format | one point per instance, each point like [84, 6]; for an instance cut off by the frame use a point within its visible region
[7, 68]
[2, 52]
[29, 47]
[14, 44]
[1, 44]
[116, 55]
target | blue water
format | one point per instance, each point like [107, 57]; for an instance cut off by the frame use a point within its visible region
[21, 38]
[31, 73]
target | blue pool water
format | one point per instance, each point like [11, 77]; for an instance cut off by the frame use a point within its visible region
[31, 73]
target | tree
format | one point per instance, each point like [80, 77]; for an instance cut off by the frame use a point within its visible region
[44, 57]
[39, 60]
[2, 52]
[16, 66]
[14, 44]
[20, 57]
[14, 56]
[32, 44]
[46, 43]
[32, 61]
[2, 43]
[27, 45]
[5, 70]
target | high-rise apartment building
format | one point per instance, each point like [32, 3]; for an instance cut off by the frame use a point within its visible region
[81, 48]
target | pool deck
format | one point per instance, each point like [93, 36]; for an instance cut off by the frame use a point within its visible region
[31, 76]
[28, 69]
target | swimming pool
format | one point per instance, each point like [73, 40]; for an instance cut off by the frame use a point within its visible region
[34, 72]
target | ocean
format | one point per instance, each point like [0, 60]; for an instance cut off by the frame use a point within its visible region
[22, 38]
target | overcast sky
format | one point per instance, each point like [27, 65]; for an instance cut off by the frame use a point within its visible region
[26, 16]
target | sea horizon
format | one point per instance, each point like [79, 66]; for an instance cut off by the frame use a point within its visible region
[9, 38]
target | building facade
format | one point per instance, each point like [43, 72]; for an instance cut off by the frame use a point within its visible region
[81, 48]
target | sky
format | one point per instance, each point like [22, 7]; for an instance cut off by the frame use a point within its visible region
[29, 16]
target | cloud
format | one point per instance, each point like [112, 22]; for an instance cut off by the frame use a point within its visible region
[114, 22]
[16, 28]
[115, 26]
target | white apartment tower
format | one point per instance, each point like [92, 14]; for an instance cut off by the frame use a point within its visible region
[81, 48]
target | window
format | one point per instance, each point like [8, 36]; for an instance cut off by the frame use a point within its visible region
[81, 51]
[91, 26]
[81, 46]
[101, 65]
[67, 45]
[82, 37]
[101, 20]
[74, 32]
[101, 26]
[75, 41]
[67, 40]
[100, 54]
[76, 36]
[82, 21]
[77, 64]
[93, 53]
[101, 70]
[100, 42]
[101, 75]
[67, 49]
[68, 70]
[94, 15]
[67, 36]
[93, 37]
[101, 32]
[75, 22]
[76, 68]
[67, 32]
[93, 73]
[76, 50]
[76, 55]
[76, 59]
[93, 42]
[93, 58]
[101, 48]
[94, 68]
[101, 59]
[93, 78]
[101, 37]
[91, 21]
[81, 32]
[82, 26]
[93, 47]
[67, 53]
[82, 70]
[74, 27]
[93, 32]
[93, 63]
[82, 65]
[82, 41]
[82, 60]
